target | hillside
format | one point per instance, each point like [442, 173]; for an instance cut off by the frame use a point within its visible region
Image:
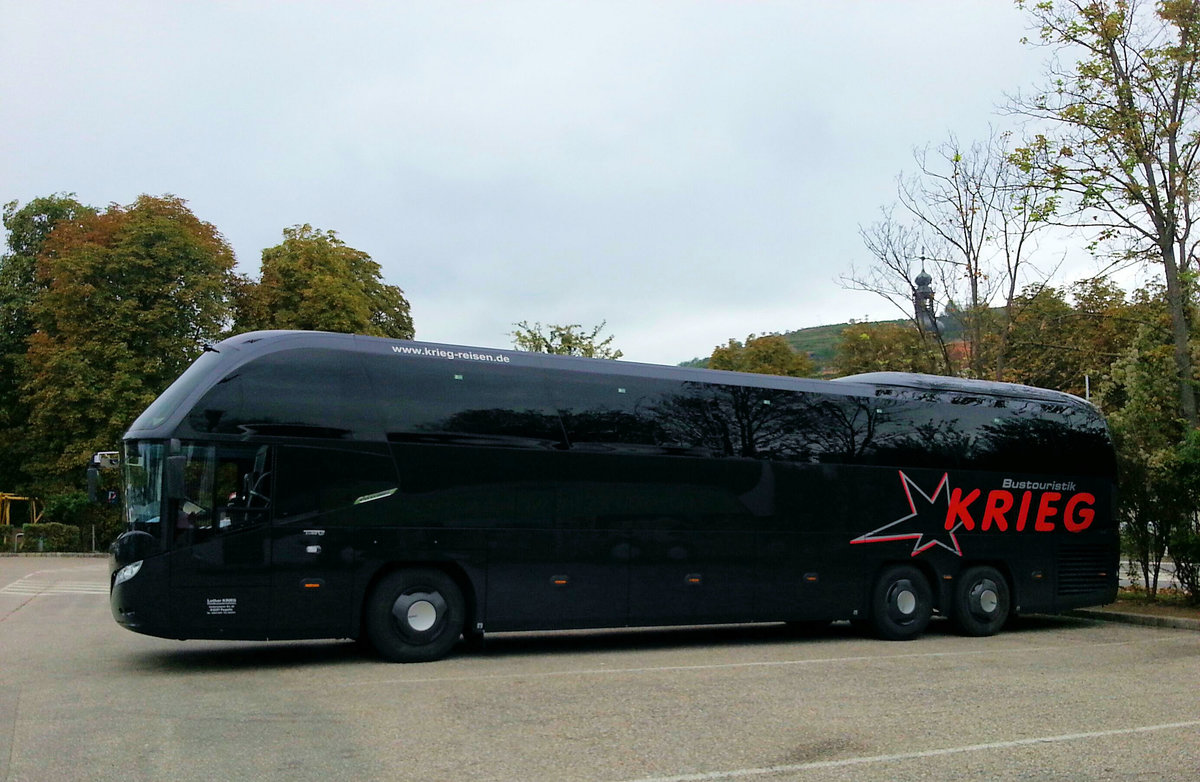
[820, 342]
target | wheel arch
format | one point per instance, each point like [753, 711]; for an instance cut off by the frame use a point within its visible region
[896, 612]
[924, 567]
[999, 565]
[451, 569]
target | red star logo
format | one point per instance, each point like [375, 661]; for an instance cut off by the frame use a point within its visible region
[926, 526]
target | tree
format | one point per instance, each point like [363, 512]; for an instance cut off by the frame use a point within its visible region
[898, 249]
[884, 347]
[28, 228]
[766, 355]
[1068, 337]
[1185, 538]
[1141, 405]
[969, 218]
[314, 280]
[568, 340]
[1125, 117]
[126, 300]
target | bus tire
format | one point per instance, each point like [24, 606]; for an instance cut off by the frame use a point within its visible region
[901, 604]
[981, 602]
[415, 615]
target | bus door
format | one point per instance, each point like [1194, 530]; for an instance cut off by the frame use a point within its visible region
[693, 539]
[325, 497]
[809, 570]
[546, 568]
[558, 560]
[220, 554]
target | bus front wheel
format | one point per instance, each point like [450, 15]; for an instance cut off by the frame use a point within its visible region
[901, 604]
[981, 602]
[415, 615]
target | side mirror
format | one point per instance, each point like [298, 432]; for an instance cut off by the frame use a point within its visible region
[175, 482]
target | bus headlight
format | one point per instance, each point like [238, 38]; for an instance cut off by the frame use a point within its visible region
[127, 572]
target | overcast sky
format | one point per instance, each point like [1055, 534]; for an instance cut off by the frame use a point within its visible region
[687, 171]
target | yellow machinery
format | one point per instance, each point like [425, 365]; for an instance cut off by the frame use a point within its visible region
[6, 503]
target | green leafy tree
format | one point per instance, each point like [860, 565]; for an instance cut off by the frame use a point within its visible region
[1185, 538]
[28, 228]
[1140, 402]
[766, 355]
[314, 280]
[568, 340]
[127, 299]
[885, 347]
[1123, 108]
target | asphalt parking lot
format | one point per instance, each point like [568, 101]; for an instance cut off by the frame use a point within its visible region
[1054, 698]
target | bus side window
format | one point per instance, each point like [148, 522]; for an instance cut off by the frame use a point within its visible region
[226, 488]
[313, 481]
[243, 486]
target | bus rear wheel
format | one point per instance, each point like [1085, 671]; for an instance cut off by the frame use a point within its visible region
[415, 615]
[981, 602]
[901, 604]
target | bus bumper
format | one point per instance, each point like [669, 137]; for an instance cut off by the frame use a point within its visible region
[141, 604]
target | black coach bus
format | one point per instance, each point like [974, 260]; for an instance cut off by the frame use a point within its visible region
[312, 485]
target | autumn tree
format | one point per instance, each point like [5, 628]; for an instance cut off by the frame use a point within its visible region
[1123, 118]
[314, 280]
[28, 228]
[126, 300]
[769, 354]
[566, 340]
[1069, 337]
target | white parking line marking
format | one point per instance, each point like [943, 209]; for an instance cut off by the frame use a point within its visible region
[38, 584]
[930, 753]
[752, 664]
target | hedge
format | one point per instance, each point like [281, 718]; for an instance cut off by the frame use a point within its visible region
[54, 537]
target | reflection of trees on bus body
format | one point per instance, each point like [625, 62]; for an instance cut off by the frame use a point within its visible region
[507, 407]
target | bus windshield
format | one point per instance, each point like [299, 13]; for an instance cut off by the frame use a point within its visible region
[162, 408]
[143, 486]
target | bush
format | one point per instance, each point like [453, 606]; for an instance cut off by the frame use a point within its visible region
[76, 510]
[1185, 550]
[72, 508]
[54, 537]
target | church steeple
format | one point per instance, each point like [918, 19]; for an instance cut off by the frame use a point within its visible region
[923, 301]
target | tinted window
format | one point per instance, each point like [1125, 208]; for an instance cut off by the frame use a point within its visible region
[930, 429]
[1051, 437]
[835, 429]
[165, 405]
[765, 423]
[318, 480]
[611, 410]
[431, 400]
[301, 393]
[948, 429]
[226, 488]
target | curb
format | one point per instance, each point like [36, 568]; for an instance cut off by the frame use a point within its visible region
[93, 554]
[1177, 622]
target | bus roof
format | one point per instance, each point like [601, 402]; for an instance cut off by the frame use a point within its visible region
[223, 358]
[920, 382]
